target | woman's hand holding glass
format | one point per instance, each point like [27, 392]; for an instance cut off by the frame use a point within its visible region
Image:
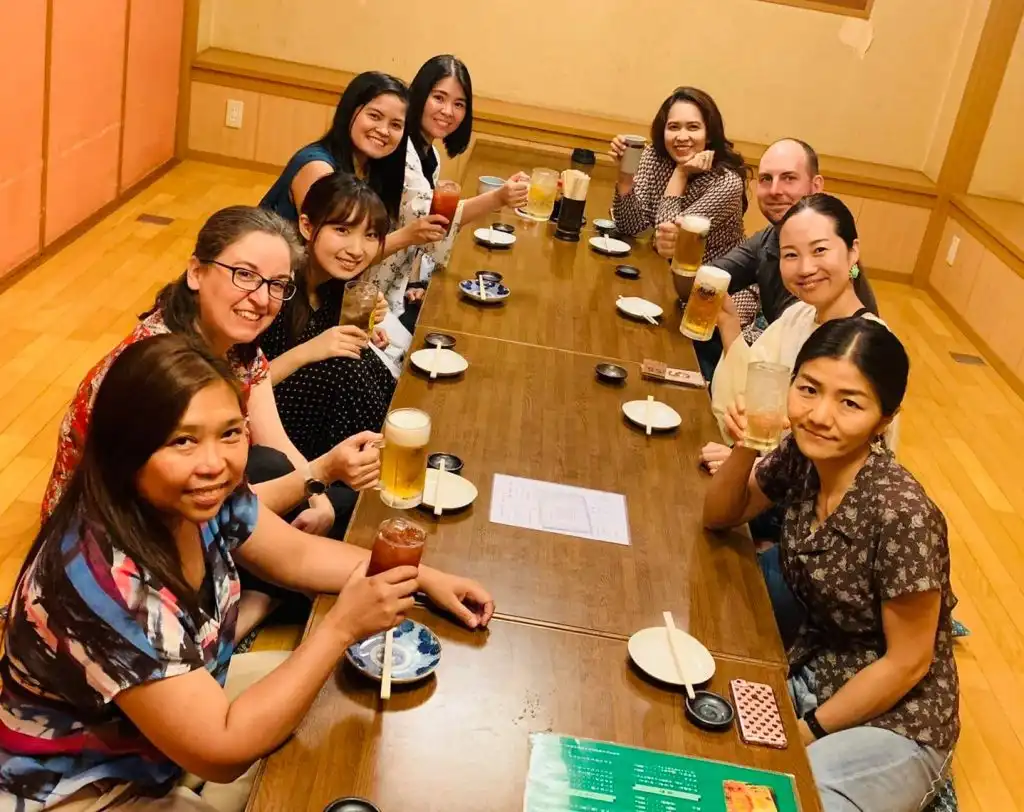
[381, 309]
[355, 461]
[366, 606]
[347, 341]
[426, 230]
[515, 191]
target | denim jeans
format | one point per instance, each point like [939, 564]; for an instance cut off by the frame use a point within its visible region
[789, 612]
[868, 769]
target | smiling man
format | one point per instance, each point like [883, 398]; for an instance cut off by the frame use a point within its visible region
[788, 172]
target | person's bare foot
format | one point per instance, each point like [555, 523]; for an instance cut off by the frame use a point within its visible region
[253, 608]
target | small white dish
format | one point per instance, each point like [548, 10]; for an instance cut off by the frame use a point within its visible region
[603, 225]
[449, 362]
[610, 246]
[649, 649]
[663, 417]
[638, 308]
[456, 492]
[490, 236]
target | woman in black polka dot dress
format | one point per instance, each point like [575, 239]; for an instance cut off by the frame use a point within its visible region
[328, 382]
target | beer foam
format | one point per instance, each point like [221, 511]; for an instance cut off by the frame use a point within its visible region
[696, 224]
[407, 427]
[714, 277]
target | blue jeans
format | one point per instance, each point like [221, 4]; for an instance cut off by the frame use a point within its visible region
[868, 769]
[789, 612]
[708, 354]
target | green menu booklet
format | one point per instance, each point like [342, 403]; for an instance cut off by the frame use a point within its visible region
[579, 775]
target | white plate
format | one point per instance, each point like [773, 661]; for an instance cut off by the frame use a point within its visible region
[456, 491]
[663, 416]
[449, 362]
[650, 650]
[638, 308]
[490, 236]
[609, 245]
[604, 225]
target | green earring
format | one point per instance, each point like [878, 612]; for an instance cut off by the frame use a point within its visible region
[855, 271]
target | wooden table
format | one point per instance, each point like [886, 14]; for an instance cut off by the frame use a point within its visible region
[554, 658]
[563, 296]
[459, 742]
[542, 414]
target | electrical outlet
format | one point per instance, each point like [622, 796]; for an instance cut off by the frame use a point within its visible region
[233, 119]
[954, 246]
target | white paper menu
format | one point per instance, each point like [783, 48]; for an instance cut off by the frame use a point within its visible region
[563, 509]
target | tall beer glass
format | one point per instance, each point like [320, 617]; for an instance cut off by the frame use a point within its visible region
[693, 234]
[765, 396]
[403, 467]
[710, 287]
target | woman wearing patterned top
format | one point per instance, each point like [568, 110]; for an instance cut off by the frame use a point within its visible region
[865, 553]
[238, 276]
[328, 383]
[689, 168]
[123, 617]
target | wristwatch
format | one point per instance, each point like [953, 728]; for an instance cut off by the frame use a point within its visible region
[811, 720]
[314, 486]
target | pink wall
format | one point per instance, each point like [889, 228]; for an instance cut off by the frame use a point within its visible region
[151, 101]
[23, 45]
[86, 72]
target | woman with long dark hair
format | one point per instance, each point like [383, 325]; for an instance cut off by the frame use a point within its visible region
[124, 616]
[689, 168]
[440, 110]
[328, 383]
[865, 603]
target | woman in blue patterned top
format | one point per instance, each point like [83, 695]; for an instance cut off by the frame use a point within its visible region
[123, 617]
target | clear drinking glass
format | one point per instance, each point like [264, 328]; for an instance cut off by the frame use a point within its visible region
[399, 543]
[358, 304]
[540, 200]
[766, 396]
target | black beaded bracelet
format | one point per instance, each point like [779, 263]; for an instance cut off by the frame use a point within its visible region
[811, 720]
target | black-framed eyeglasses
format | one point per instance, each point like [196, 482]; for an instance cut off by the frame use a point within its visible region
[249, 280]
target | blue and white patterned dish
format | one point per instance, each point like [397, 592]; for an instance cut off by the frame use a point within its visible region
[414, 655]
[496, 292]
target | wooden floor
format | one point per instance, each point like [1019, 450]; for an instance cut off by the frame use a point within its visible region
[958, 436]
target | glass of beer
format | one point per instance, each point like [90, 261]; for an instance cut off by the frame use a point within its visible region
[446, 201]
[710, 287]
[540, 199]
[403, 466]
[693, 233]
[399, 543]
[358, 304]
[765, 396]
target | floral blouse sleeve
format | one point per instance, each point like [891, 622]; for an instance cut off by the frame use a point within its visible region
[913, 548]
[782, 471]
[634, 212]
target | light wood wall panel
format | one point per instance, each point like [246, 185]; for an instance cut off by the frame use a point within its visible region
[985, 294]
[207, 131]
[284, 125]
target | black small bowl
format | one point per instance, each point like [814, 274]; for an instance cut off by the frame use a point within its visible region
[508, 229]
[493, 277]
[351, 805]
[627, 271]
[442, 340]
[709, 711]
[452, 464]
[611, 373]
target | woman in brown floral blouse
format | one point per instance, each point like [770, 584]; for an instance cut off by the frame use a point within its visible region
[689, 168]
[864, 553]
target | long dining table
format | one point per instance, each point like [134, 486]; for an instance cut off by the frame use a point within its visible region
[554, 658]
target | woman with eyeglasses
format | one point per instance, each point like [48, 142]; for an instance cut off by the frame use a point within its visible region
[237, 278]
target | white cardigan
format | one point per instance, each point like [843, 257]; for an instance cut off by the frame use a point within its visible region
[779, 344]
